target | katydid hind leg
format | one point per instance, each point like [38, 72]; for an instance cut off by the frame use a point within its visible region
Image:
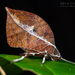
[19, 59]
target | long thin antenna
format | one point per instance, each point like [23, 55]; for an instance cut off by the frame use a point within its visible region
[67, 61]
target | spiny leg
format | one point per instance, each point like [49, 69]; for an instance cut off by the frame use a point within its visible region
[55, 55]
[44, 59]
[43, 53]
[16, 60]
[24, 55]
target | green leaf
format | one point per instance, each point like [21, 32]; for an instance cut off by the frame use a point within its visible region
[33, 64]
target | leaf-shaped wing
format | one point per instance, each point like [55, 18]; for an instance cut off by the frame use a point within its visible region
[28, 30]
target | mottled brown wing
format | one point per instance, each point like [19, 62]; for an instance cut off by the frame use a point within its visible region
[18, 37]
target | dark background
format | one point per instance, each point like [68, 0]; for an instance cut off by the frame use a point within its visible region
[61, 20]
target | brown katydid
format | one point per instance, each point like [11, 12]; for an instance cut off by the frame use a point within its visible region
[32, 34]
